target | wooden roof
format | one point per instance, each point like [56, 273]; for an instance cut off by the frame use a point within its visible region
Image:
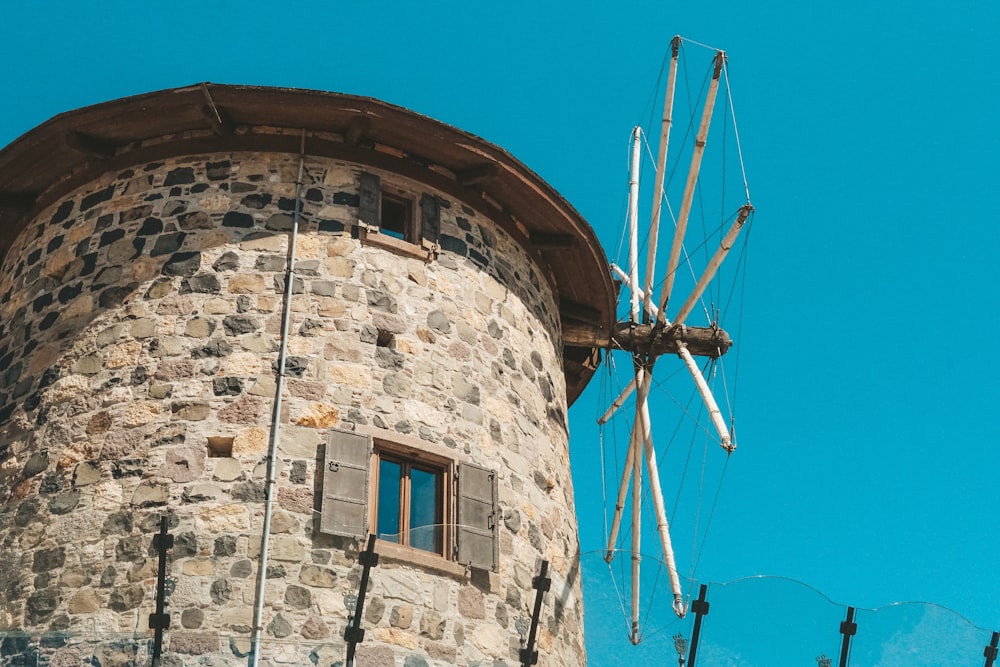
[77, 146]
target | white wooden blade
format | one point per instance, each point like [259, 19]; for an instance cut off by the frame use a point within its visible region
[706, 395]
[616, 521]
[617, 403]
[633, 225]
[661, 163]
[662, 526]
[651, 309]
[713, 265]
[689, 187]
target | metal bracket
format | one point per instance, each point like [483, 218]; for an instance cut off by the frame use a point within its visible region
[700, 609]
[353, 634]
[160, 621]
[528, 655]
[848, 628]
[990, 652]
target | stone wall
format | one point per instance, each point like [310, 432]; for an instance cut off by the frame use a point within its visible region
[139, 322]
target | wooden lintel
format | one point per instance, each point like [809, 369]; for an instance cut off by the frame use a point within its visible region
[478, 174]
[91, 145]
[552, 241]
[359, 127]
[577, 312]
[17, 201]
[646, 338]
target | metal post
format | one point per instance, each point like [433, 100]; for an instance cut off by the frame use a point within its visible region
[848, 628]
[528, 655]
[353, 634]
[160, 621]
[700, 609]
[991, 651]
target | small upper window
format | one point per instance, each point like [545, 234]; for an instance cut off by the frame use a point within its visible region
[397, 218]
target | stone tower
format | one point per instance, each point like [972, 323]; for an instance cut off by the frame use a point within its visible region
[283, 320]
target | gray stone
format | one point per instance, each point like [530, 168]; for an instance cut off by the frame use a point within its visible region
[236, 325]
[220, 591]
[438, 321]
[126, 597]
[149, 495]
[279, 627]
[48, 559]
[465, 390]
[251, 492]
[192, 618]
[203, 283]
[432, 625]
[241, 569]
[298, 597]
[270, 263]
[374, 610]
[229, 261]
[323, 287]
[86, 474]
[37, 463]
[318, 577]
[397, 384]
[41, 605]
[64, 502]
[401, 616]
[512, 519]
[314, 629]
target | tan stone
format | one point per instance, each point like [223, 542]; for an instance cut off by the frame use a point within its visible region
[222, 519]
[86, 601]
[43, 358]
[308, 390]
[258, 343]
[82, 305]
[215, 202]
[308, 246]
[198, 567]
[264, 244]
[296, 499]
[124, 354]
[470, 602]
[287, 548]
[341, 246]
[228, 469]
[140, 412]
[217, 306]
[395, 636]
[252, 283]
[250, 442]
[339, 267]
[349, 374]
[144, 268]
[319, 415]
[68, 387]
[199, 327]
[490, 639]
[282, 522]
[241, 364]
[328, 306]
[264, 386]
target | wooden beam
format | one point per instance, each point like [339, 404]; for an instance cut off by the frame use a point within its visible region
[647, 338]
[477, 175]
[91, 145]
[552, 241]
[355, 132]
[577, 312]
[17, 201]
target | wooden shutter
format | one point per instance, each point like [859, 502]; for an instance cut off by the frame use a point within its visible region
[430, 218]
[478, 543]
[345, 484]
[370, 199]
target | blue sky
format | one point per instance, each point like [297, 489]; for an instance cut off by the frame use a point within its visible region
[867, 380]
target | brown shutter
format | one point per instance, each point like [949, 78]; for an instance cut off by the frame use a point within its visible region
[478, 545]
[370, 199]
[345, 484]
[430, 218]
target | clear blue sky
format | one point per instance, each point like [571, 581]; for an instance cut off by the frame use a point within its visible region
[868, 389]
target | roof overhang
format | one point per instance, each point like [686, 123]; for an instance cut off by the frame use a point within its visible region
[75, 147]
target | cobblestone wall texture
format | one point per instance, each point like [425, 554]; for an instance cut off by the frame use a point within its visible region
[139, 321]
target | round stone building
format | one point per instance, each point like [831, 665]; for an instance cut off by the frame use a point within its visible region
[274, 322]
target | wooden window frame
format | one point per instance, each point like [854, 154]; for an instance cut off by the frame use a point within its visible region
[409, 457]
[421, 229]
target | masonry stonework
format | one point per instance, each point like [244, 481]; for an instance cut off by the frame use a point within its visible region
[139, 325]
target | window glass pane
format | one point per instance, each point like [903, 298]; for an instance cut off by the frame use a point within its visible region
[387, 524]
[425, 514]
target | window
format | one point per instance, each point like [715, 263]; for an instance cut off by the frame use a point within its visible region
[391, 214]
[406, 495]
[410, 501]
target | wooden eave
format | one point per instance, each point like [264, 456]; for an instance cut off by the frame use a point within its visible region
[78, 146]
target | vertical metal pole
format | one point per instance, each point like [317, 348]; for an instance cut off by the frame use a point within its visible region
[700, 608]
[541, 584]
[160, 621]
[848, 628]
[991, 651]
